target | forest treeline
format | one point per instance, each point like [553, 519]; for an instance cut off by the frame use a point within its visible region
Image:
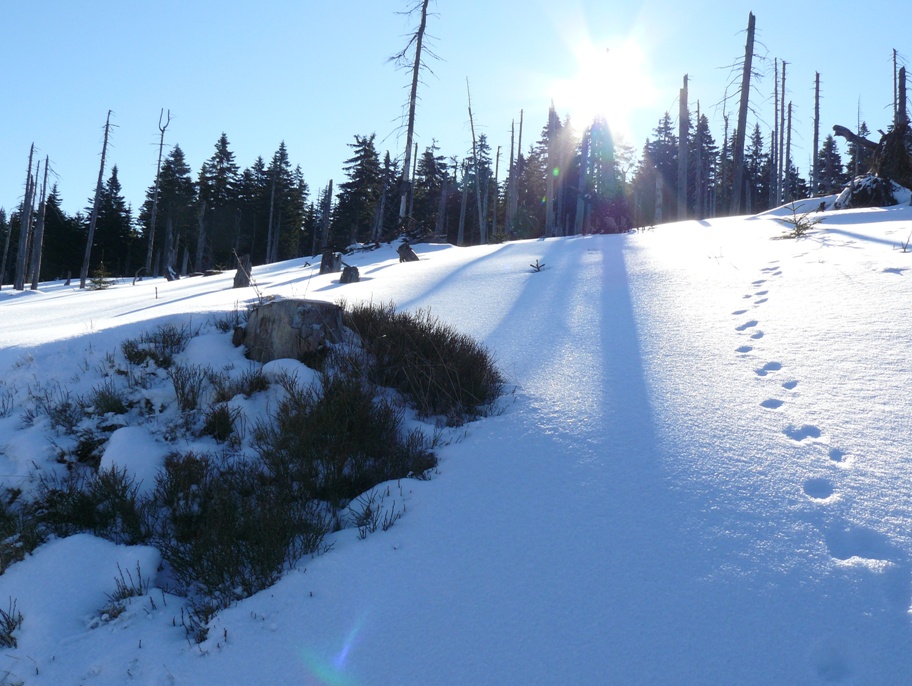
[564, 183]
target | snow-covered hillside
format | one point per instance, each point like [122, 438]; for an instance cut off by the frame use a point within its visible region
[701, 474]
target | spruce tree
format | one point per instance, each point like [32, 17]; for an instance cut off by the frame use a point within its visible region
[359, 197]
[218, 181]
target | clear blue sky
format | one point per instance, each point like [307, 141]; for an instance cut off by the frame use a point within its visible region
[314, 74]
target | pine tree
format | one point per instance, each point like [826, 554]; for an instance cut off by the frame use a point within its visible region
[115, 237]
[359, 197]
[432, 173]
[829, 164]
[218, 181]
[176, 222]
[858, 158]
[756, 175]
[64, 239]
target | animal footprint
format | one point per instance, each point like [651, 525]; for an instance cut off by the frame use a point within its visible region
[772, 404]
[736, 312]
[790, 385]
[760, 301]
[757, 336]
[818, 489]
[747, 325]
[743, 349]
[761, 293]
[767, 368]
[846, 543]
[837, 455]
[803, 432]
[758, 282]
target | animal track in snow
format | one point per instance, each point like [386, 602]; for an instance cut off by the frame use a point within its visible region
[803, 432]
[758, 282]
[837, 455]
[757, 336]
[848, 542]
[831, 663]
[790, 385]
[761, 292]
[737, 312]
[818, 489]
[767, 368]
[747, 325]
[744, 349]
[760, 301]
[772, 404]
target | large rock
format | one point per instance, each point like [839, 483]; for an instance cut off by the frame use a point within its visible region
[297, 329]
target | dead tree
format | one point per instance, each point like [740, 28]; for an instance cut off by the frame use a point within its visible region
[787, 185]
[683, 129]
[738, 153]
[780, 167]
[482, 225]
[38, 238]
[460, 234]
[6, 242]
[200, 239]
[84, 272]
[25, 225]
[161, 145]
[418, 39]
[814, 168]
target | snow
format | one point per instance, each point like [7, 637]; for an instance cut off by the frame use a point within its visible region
[699, 474]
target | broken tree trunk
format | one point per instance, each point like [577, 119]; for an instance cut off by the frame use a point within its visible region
[738, 153]
[84, 272]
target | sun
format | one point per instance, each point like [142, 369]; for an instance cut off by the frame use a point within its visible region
[610, 81]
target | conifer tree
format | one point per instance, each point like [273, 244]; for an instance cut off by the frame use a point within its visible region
[359, 197]
[217, 233]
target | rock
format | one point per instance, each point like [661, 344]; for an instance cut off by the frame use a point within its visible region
[350, 274]
[296, 329]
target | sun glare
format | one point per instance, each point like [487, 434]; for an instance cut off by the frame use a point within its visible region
[611, 81]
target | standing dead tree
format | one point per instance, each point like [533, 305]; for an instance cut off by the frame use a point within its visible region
[815, 171]
[482, 224]
[38, 238]
[683, 130]
[416, 39]
[161, 145]
[84, 272]
[25, 224]
[738, 152]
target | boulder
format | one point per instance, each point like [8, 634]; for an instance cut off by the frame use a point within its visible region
[350, 274]
[242, 275]
[297, 329]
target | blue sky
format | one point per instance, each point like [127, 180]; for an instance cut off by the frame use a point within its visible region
[314, 74]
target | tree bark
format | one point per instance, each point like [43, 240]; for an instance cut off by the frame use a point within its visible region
[814, 170]
[418, 37]
[683, 130]
[742, 118]
[38, 239]
[161, 145]
[84, 272]
[25, 225]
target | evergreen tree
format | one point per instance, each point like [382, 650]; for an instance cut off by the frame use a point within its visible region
[253, 195]
[829, 164]
[177, 213]
[64, 240]
[115, 238]
[359, 197]
[704, 157]
[432, 173]
[218, 180]
[757, 173]
[603, 191]
[659, 161]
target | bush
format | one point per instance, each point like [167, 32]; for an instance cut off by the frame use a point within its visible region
[10, 620]
[251, 381]
[337, 442]
[229, 530]
[188, 385]
[800, 223]
[443, 372]
[160, 346]
[219, 422]
[106, 398]
[20, 533]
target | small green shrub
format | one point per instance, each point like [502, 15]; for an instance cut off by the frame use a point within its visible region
[250, 381]
[337, 442]
[219, 422]
[106, 398]
[160, 346]
[443, 372]
[10, 620]
[228, 530]
[799, 223]
[188, 383]
[20, 532]
[64, 409]
[100, 278]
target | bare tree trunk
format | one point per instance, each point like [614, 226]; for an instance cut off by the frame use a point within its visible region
[814, 169]
[683, 130]
[698, 175]
[742, 118]
[25, 225]
[583, 189]
[38, 239]
[780, 175]
[200, 239]
[270, 230]
[411, 203]
[482, 225]
[787, 184]
[418, 38]
[161, 145]
[901, 113]
[6, 242]
[441, 207]
[460, 235]
[324, 228]
[84, 272]
[550, 229]
[496, 193]
[660, 194]
[774, 140]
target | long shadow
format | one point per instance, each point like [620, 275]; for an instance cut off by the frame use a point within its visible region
[861, 237]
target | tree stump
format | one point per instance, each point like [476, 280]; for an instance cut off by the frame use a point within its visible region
[331, 262]
[406, 254]
[242, 275]
[350, 274]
